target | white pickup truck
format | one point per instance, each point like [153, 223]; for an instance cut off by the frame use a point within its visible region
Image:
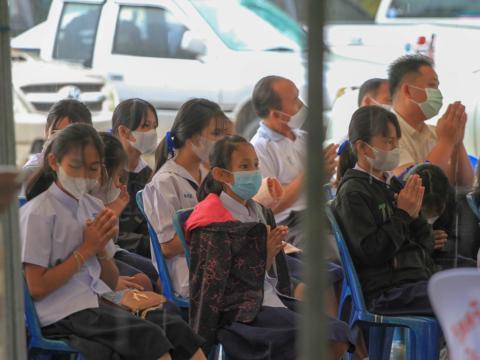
[446, 30]
[167, 51]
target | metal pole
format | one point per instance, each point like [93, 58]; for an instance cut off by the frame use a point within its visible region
[314, 329]
[12, 315]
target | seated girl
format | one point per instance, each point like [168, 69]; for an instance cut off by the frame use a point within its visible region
[134, 123]
[179, 173]
[135, 270]
[389, 240]
[239, 281]
[67, 259]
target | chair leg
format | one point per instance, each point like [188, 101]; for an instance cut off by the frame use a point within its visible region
[379, 342]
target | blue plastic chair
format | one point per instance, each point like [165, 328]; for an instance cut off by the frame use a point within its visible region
[161, 264]
[179, 220]
[472, 203]
[22, 200]
[424, 332]
[36, 343]
[473, 161]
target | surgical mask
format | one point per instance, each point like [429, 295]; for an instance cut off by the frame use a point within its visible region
[431, 220]
[296, 121]
[432, 105]
[76, 186]
[202, 150]
[108, 192]
[247, 183]
[145, 142]
[384, 160]
[387, 107]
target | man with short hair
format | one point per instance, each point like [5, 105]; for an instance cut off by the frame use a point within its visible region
[375, 91]
[280, 145]
[416, 98]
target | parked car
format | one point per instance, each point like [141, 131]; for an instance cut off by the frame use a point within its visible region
[37, 85]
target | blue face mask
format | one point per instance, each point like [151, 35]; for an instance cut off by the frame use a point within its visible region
[246, 183]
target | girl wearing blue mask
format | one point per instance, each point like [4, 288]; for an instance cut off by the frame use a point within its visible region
[68, 263]
[239, 280]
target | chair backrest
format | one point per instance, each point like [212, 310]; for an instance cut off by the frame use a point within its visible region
[179, 219]
[22, 200]
[472, 203]
[159, 258]
[31, 318]
[455, 298]
[351, 276]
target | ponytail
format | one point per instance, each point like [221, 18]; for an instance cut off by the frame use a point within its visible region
[347, 159]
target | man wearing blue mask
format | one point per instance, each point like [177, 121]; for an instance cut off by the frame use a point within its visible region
[280, 144]
[416, 97]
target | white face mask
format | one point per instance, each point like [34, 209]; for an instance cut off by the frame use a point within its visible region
[76, 186]
[432, 105]
[145, 142]
[387, 107]
[432, 220]
[108, 193]
[296, 121]
[202, 150]
[384, 160]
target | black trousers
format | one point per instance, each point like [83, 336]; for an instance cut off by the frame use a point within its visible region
[109, 332]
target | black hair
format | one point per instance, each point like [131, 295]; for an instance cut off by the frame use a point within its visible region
[436, 184]
[264, 96]
[370, 87]
[131, 114]
[405, 65]
[191, 119]
[115, 155]
[366, 122]
[221, 157]
[75, 110]
[72, 137]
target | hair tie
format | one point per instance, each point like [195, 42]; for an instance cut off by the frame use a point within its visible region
[342, 147]
[170, 144]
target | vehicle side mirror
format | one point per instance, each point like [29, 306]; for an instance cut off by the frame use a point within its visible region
[193, 44]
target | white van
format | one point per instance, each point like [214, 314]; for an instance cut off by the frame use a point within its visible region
[168, 51]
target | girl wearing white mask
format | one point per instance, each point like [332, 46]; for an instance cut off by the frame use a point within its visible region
[389, 240]
[136, 271]
[179, 173]
[68, 265]
[134, 123]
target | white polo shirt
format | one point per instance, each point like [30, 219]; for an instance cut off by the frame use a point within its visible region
[249, 214]
[415, 145]
[168, 192]
[51, 228]
[282, 158]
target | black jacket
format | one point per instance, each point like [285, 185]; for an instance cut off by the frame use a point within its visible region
[387, 246]
[133, 234]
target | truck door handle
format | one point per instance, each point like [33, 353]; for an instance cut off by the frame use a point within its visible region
[115, 77]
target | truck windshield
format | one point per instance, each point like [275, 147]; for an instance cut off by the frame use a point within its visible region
[241, 29]
[433, 9]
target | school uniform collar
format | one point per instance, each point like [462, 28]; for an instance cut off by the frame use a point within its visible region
[388, 174]
[68, 201]
[235, 207]
[172, 167]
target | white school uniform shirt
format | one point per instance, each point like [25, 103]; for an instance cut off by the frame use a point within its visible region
[249, 213]
[168, 192]
[51, 229]
[282, 158]
[415, 145]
